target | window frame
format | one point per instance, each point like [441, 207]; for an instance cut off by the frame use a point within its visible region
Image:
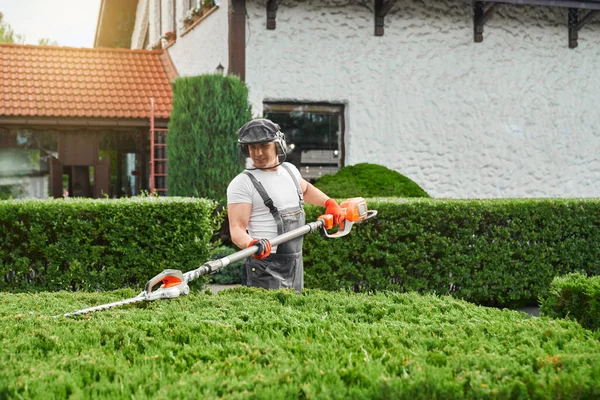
[338, 109]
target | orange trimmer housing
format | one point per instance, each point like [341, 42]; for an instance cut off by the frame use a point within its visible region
[355, 210]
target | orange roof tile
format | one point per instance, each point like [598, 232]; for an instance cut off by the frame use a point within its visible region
[69, 82]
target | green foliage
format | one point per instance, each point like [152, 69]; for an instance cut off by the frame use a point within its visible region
[47, 42]
[7, 35]
[574, 296]
[368, 180]
[202, 143]
[100, 244]
[490, 252]
[11, 191]
[252, 343]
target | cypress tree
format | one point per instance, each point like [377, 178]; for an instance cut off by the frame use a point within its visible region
[202, 143]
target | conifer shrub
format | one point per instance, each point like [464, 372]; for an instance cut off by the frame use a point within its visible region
[368, 180]
[202, 143]
[247, 343]
[574, 296]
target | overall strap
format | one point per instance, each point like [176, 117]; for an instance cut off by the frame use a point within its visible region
[298, 188]
[268, 202]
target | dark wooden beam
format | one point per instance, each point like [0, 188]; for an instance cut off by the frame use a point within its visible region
[572, 25]
[272, 14]
[480, 17]
[589, 4]
[237, 39]
[575, 24]
[381, 9]
[589, 16]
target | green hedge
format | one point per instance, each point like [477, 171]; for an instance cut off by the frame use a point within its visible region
[252, 343]
[368, 180]
[574, 296]
[100, 244]
[490, 252]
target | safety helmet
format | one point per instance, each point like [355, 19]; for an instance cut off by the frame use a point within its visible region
[262, 131]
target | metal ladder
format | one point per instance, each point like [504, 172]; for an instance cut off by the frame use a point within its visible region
[158, 156]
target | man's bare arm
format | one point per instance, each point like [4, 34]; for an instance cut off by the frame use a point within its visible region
[312, 195]
[239, 215]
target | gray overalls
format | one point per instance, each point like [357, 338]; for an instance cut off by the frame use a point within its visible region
[283, 269]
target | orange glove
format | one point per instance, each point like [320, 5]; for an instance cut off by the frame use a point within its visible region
[334, 209]
[264, 248]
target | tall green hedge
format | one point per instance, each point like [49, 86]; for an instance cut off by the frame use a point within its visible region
[100, 244]
[201, 144]
[368, 180]
[490, 252]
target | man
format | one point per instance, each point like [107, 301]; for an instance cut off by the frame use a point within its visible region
[267, 200]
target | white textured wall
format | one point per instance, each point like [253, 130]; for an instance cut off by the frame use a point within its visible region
[514, 116]
[167, 12]
[141, 24]
[203, 48]
[154, 21]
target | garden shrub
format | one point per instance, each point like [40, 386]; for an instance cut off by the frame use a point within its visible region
[202, 142]
[100, 244]
[368, 180]
[574, 296]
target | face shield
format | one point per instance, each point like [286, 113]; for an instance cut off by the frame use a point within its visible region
[261, 131]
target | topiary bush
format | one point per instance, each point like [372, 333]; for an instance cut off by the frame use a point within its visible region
[368, 180]
[202, 143]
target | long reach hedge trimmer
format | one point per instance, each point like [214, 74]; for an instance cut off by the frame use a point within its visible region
[174, 283]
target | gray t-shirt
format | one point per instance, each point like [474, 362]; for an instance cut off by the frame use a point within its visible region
[279, 187]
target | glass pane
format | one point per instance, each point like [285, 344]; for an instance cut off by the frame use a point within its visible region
[127, 152]
[24, 162]
[312, 137]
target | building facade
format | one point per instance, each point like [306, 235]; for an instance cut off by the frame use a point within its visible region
[494, 102]
[77, 122]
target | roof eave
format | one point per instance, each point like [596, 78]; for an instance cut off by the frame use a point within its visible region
[54, 122]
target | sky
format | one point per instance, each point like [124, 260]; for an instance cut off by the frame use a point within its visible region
[69, 22]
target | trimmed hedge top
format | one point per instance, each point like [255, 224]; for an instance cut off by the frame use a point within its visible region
[368, 180]
[252, 343]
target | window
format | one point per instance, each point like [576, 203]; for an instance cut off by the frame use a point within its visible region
[194, 3]
[24, 167]
[314, 135]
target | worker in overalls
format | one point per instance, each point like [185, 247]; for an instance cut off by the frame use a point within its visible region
[267, 200]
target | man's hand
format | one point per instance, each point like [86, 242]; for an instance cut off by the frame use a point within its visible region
[264, 248]
[333, 208]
